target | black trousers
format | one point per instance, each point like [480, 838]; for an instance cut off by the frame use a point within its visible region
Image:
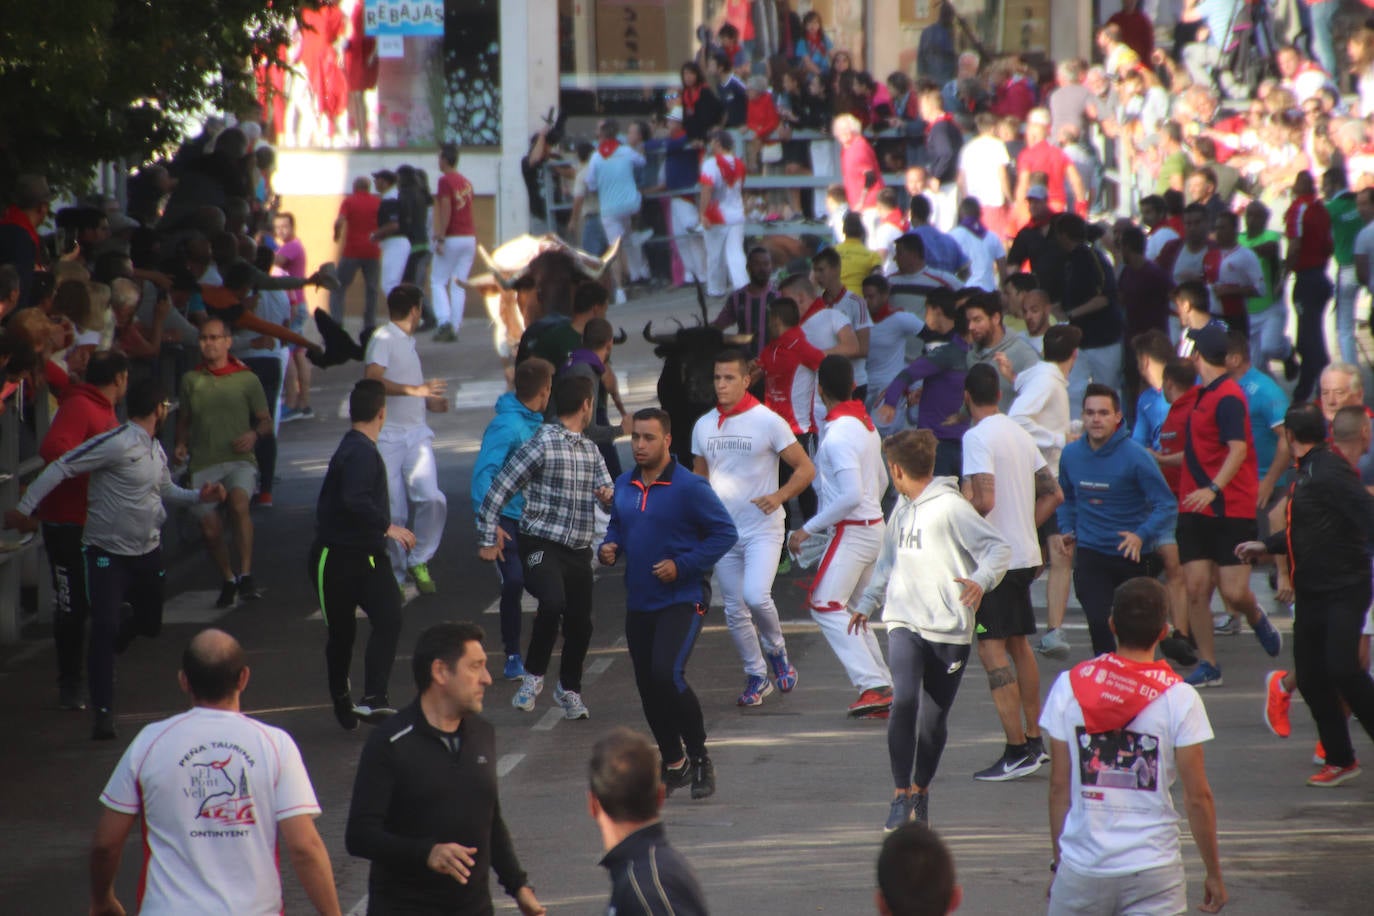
[560, 579]
[1326, 641]
[660, 643]
[1095, 578]
[345, 579]
[268, 371]
[71, 605]
[111, 580]
[1311, 292]
[925, 680]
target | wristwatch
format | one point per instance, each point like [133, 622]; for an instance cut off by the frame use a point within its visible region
[1212, 485]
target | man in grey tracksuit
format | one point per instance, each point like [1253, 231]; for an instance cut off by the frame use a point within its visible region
[122, 540]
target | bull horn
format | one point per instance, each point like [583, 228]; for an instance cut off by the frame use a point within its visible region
[501, 279]
[607, 258]
[675, 321]
[620, 336]
[737, 340]
[655, 340]
[701, 300]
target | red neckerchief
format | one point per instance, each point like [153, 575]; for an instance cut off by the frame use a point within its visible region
[1175, 223]
[731, 169]
[607, 147]
[16, 217]
[944, 116]
[1112, 690]
[744, 404]
[853, 409]
[229, 368]
[822, 303]
[815, 42]
[690, 94]
[884, 313]
[895, 218]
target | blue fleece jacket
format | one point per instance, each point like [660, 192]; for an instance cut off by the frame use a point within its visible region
[1117, 487]
[681, 163]
[511, 428]
[678, 517]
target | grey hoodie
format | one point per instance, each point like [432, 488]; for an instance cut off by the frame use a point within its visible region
[931, 541]
[1021, 354]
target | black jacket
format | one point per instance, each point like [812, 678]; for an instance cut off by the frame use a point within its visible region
[353, 510]
[651, 878]
[412, 792]
[1330, 524]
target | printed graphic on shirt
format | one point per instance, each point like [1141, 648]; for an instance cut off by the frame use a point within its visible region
[1120, 759]
[717, 444]
[217, 778]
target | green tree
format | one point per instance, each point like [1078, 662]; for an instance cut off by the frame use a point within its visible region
[86, 81]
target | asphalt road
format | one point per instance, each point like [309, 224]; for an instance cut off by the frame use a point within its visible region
[796, 823]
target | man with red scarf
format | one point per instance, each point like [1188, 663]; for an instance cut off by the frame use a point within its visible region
[222, 416]
[721, 209]
[859, 168]
[1114, 827]
[19, 243]
[851, 479]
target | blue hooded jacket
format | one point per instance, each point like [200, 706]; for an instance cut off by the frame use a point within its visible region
[1117, 487]
[678, 517]
[511, 428]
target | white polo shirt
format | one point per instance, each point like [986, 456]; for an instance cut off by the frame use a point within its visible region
[394, 350]
[852, 454]
[997, 445]
[211, 787]
[741, 452]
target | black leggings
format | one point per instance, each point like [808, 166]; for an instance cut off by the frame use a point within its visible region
[560, 578]
[268, 371]
[346, 578]
[111, 580]
[1326, 641]
[660, 643]
[925, 680]
[71, 607]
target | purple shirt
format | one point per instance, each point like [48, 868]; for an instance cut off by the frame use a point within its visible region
[291, 263]
[942, 371]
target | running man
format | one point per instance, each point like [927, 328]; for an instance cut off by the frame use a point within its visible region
[406, 440]
[348, 561]
[737, 447]
[455, 245]
[852, 479]
[939, 557]
[671, 528]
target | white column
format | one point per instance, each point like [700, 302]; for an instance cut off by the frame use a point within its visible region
[529, 87]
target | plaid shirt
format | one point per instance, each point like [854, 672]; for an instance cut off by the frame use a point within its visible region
[560, 472]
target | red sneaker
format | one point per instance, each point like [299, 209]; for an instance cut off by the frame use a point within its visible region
[1330, 776]
[1276, 703]
[264, 500]
[871, 700]
[1319, 754]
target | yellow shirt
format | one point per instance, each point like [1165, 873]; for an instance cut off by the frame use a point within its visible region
[856, 262]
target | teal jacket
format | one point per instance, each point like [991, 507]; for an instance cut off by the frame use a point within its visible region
[511, 428]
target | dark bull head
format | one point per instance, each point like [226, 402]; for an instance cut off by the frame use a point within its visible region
[686, 386]
[554, 268]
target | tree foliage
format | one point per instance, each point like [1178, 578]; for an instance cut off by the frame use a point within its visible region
[86, 81]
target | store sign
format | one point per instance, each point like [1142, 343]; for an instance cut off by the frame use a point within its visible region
[404, 17]
[631, 37]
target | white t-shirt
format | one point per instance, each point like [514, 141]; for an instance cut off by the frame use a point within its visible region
[887, 348]
[882, 240]
[729, 197]
[211, 787]
[996, 445]
[822, 331]
[741, 455]
[983, 255]
[1189, 265]
[394, 350]
[1364, 245]
[851, 447]
[1155, 242]
[851, 306]
[1240, 266]
[1041, 408]
[984, 160]
[1123, 820]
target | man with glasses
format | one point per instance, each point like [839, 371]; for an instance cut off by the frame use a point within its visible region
[223, 414]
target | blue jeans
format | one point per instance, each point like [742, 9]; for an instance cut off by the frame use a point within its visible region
[1318, 18]
[372, 278]
[1347, 292]
[1311, 291]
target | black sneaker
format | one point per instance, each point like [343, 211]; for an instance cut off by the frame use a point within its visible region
[679, 778]
[103, 728]
[703, 777]
[248, 589]
[1014, 763]
[70, 698]
[227, 593]
[920, 807]
[374, 709]
[1036, 746]
[1179, 649]
[1290, 366]
[343, 711]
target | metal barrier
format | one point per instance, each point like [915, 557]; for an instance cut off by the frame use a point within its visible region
[20, 463]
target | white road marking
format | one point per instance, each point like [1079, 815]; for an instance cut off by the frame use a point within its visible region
[359, 908]
[551, 718]
[508, 763]
[599, 666]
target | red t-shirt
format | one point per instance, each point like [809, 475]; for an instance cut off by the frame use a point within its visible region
[1050, 159]
[763, 117]
[1309, 226]
[1171, 435]
[1220, 416]
[856, 159]
[458, 191]
[788, 391]
[360, 210]
[739, 14]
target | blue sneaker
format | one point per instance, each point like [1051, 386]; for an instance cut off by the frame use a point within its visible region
[755, 689]
[515, 667]
[1205, 674]
[783, 672]
[1269, 637]
[898, 813]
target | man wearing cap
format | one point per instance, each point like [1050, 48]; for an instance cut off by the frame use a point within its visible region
[681, 171]
[394, 244]
[354, 229]
[1035, 244]
[1040, 155]
[19, 244]
[1218, 492]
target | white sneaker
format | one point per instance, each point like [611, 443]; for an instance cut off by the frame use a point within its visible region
[571, 701]
[620, 297]
[531, 685]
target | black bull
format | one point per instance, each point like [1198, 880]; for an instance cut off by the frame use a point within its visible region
[686, 386]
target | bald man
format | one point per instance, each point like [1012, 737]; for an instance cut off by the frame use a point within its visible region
[215, 790]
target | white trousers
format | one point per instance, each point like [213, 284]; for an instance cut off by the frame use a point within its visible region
[412, 480]
[840, 580]
[725, 261]
[692, 249]
[395, 252]
[451, 263]
[746, 585]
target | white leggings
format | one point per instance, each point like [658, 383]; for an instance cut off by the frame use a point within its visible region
[843, 575]
[452, 262]
[746, 585]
